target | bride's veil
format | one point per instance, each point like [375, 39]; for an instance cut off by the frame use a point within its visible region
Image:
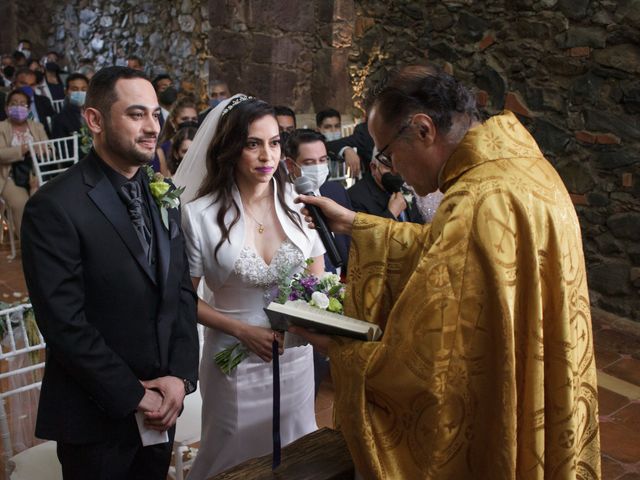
[193, 168]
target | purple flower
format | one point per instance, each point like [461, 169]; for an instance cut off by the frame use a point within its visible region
[293, 295]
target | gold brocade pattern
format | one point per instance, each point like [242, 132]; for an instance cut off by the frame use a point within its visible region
[486, 367]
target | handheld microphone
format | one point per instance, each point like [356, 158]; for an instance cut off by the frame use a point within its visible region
[304, 186]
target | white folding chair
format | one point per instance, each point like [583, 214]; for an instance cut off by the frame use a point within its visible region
[51, 157]
[21, 337]
[347, 130]
[57, 105]
[7, 225]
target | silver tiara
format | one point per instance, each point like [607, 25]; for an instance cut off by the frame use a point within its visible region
[234, 102]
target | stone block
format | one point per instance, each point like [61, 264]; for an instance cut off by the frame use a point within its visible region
[607, 244]
[441, 19]
[621, 125]
[563, 65]
[576, 177]
[594, 37]
[550, 137]
[486, 42]
[471, 27]
[625, 225]
[610, 277]
[625, 57]
[586, 137]
[574, 9]
[597, 199]
[618, 158]
[578, 199]
[579, 51]
[607, 139]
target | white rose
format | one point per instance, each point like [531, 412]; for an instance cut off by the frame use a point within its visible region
[320, 300]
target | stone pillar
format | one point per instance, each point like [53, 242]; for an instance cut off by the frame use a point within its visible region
[288, 52]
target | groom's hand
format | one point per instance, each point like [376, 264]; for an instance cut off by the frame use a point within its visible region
[151, 401]
[172, 391]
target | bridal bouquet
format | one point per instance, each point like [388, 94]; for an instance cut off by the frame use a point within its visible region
[325, 292]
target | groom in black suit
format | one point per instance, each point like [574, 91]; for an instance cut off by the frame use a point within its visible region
[109, 283]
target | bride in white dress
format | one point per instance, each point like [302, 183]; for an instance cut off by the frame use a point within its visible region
[244, 235]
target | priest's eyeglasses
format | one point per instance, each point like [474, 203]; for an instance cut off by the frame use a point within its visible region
[382, 157]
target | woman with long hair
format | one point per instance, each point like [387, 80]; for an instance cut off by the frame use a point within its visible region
[180, 144]
[184, 114]
[244, 236]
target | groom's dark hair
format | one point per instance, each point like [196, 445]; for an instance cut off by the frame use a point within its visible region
[101, 93]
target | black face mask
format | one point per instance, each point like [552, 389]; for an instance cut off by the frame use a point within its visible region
[9, 71]
[168, 96]
[391, 183]
[187, 124]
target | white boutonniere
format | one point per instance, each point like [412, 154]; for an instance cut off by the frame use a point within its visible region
[165, 196]
[408, 197]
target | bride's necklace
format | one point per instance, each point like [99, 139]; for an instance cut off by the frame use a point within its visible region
[253, 217]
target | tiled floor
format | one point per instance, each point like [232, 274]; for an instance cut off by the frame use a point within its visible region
[617, 356]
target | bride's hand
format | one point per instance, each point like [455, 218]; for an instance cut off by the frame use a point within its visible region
[259, 340]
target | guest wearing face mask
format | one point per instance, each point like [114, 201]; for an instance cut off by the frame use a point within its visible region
[184, 114]
[70, 120]
[329, 123]
[16, 178]
[218, 91]
[53, 81]
[383, 194]
[40, 108]
[306, 154]
[167, 95]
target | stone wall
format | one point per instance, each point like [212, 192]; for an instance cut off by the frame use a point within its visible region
[169, 36]
[570, 70]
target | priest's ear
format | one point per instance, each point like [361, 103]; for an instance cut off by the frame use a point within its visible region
[425, 127]
[94, 119]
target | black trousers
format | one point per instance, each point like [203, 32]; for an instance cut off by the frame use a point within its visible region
[119, 457]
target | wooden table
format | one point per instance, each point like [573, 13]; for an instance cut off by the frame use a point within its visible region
[321, 455]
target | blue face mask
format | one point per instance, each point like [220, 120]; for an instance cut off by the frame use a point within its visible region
[28, 90]
[77, 98]
[215, 101]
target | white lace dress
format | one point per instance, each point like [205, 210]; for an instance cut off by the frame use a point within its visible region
[237, 409]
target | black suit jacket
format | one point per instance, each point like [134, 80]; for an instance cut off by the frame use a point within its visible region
[359, 139]
[66, 122]
[367, 197]
[45, 111]
[336, 192]
[108, 318]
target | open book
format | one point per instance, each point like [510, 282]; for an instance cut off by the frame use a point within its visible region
[320, 321]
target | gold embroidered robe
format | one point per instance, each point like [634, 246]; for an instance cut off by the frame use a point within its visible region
[486, 366]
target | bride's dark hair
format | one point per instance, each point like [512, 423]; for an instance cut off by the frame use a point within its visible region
[222, 157]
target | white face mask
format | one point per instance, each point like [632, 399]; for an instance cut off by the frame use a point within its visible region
[316, 173]
[331, 136]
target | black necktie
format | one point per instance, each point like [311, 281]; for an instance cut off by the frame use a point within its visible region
[132, 194]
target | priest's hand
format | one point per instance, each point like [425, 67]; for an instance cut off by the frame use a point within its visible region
[340, 219]
[320, 342]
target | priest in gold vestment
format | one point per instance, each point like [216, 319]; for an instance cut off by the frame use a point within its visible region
[486, 368]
